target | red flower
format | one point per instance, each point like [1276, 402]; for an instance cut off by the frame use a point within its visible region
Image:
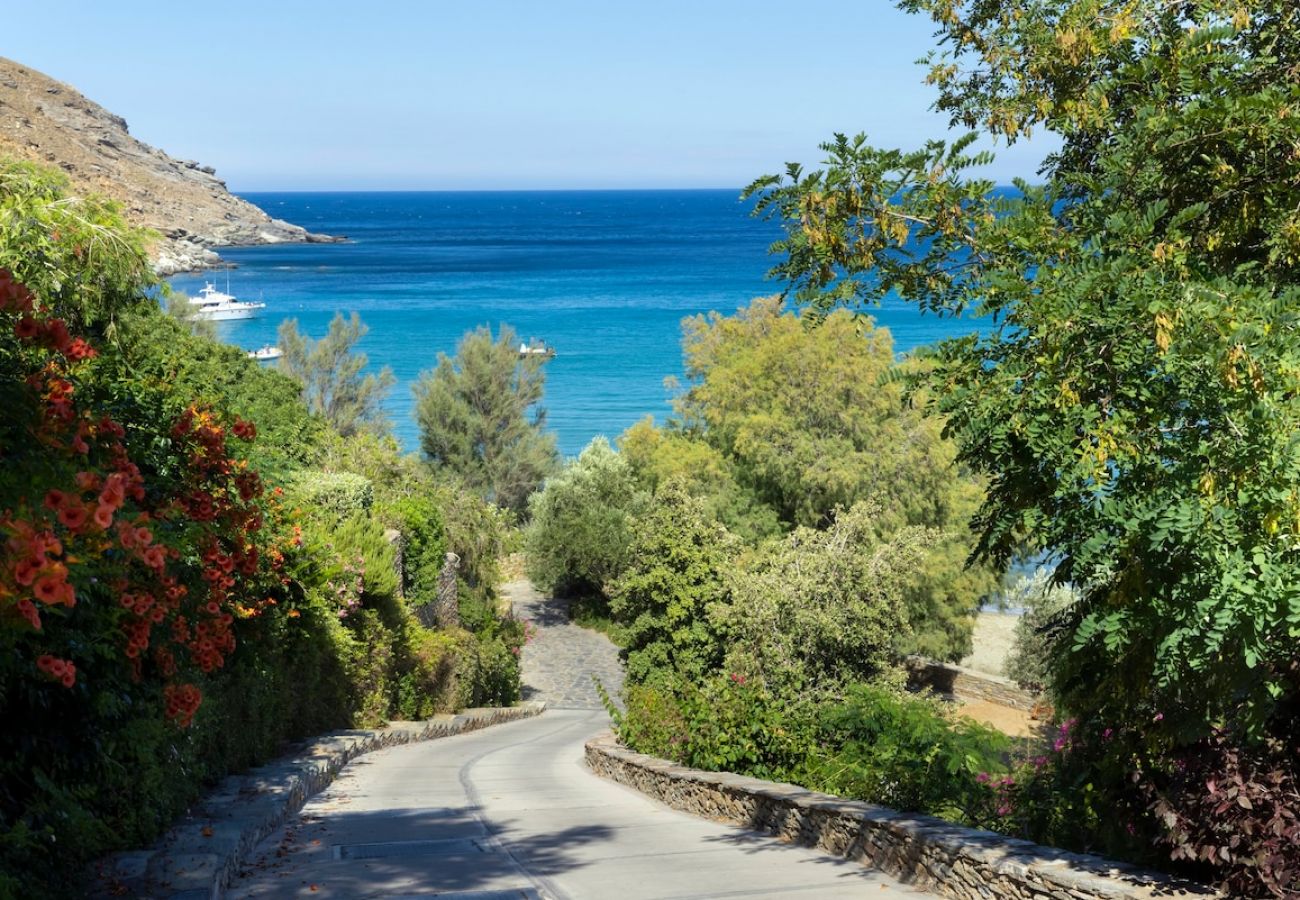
[54, 499]
[114, 494]
[56, 335]
[25, 571]
[27, 609]
[73, 517]
[153, 557]
[48, 589]
[79, 349]
[26, 328]
[103, 515]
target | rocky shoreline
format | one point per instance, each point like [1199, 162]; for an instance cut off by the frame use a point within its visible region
[182, 252]
[189, 208]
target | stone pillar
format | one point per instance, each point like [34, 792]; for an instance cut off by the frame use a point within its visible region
[447, 606]
[398, 542]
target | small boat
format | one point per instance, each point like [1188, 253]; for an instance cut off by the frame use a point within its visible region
[269, 352]
[215, 306]
[536, 348]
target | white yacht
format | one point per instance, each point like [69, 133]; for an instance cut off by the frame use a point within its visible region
[214, 306]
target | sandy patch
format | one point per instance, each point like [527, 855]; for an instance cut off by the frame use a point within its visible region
[994, 632]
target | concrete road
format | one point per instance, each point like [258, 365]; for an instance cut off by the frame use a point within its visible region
[513, 811]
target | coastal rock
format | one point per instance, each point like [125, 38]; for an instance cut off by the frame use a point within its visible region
[51, 123]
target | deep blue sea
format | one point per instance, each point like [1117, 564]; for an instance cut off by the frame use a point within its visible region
[605, 277]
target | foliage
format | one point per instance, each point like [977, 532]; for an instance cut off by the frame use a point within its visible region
[820, 608]
[721, 722]
[1040, 628]
[580, 522]
[813, 419]
[424, 544]
[592, 611]
[478, 532]
[331, 375]
[675, 575]
[134, 539]
[1236, 808]
[155, 354]
[658, 456]
[475, 419]
[335, 493]
[74, 253]
[379, 459]
[878, 743]
[906, 752]
[1134, 403]
[160, 623]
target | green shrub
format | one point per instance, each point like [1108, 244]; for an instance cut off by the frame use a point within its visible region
[424, 546]
[429, 683]
[580, 529]
[822, 607]
[907, 752]
[675, 575]
[725, 722]
[332, 493]
[878, 743]
[592, 611]
[1040, 630]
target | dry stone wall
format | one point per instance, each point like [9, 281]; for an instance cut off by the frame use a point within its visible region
[962, 863]
[967, 684]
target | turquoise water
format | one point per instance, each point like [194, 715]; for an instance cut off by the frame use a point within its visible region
[605, 277]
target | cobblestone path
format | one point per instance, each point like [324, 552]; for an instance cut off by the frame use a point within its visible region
[558, 664]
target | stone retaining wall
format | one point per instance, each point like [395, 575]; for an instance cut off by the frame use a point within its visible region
[929, 853]
[198, 857]
[968, 684]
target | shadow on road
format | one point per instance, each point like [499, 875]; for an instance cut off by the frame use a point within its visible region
[359, 854]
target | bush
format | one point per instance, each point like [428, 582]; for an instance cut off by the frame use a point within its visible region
[811, 416]
[581, 522]
[906, 752]
[1232, 811]
[161, 622]
[822, 607]
[424, 546]
[724, 722]
[878, 744]
[332, 493]
[675, 575]
[1040, 629]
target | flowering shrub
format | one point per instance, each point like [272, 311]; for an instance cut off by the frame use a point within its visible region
[99, 534]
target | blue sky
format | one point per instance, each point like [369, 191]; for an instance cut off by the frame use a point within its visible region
[496, 93]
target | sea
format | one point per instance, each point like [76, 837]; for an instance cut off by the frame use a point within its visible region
[603, 277]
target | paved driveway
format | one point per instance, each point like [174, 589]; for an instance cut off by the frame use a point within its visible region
[513, 811]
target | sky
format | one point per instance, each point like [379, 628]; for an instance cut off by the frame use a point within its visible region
[495, 94]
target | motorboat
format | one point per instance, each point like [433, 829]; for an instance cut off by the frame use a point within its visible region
[536, 348]
[269, 352]
[215, 306]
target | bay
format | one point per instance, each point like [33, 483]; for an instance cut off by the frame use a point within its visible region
[604, 277]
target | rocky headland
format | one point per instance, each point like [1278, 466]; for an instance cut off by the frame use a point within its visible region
[185, 203]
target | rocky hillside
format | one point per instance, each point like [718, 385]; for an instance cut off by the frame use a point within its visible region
[46, 121]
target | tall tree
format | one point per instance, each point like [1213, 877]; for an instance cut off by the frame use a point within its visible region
[814, 420]
[1136, 400]
[333, 377]
[480, 416]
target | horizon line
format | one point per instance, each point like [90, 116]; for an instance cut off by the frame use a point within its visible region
[560, 190]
